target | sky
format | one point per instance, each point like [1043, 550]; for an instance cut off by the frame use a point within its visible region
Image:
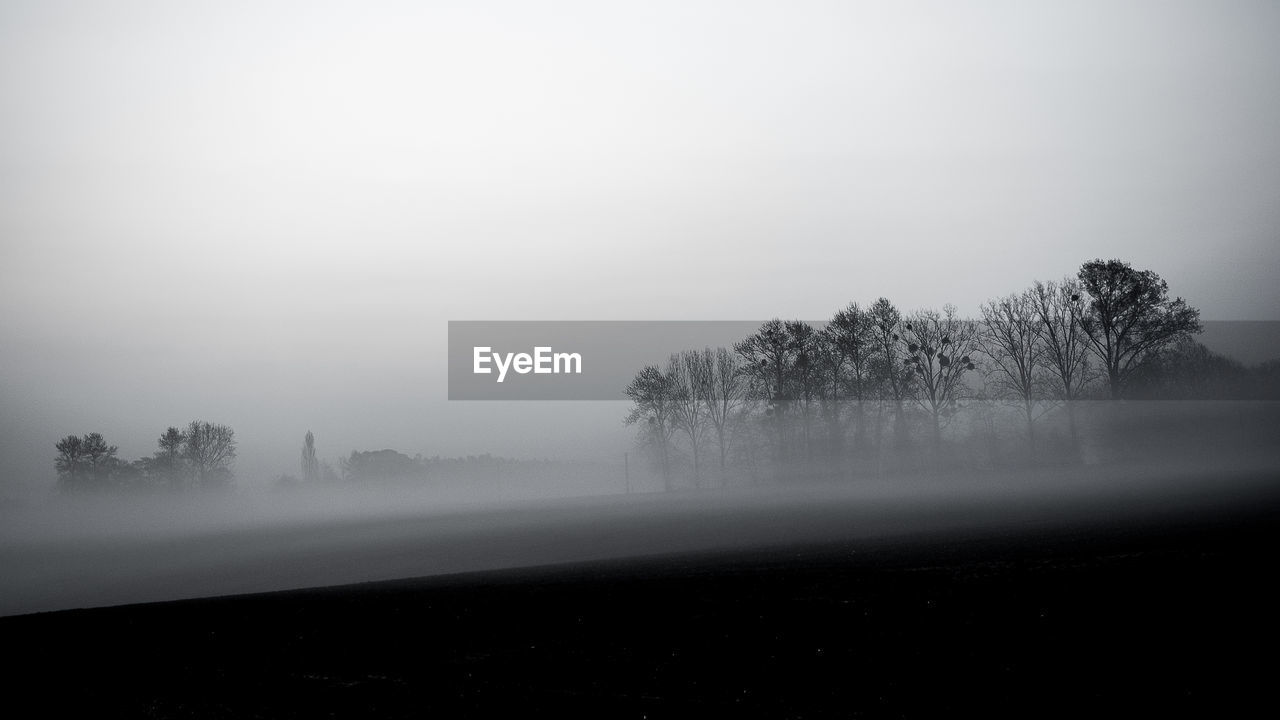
[265, 213]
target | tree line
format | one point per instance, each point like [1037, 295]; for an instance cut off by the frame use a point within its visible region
[202, 454]
[875, 387]
[370, 466]
[197, 456]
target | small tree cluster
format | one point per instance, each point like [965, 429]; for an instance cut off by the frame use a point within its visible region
[201, 455]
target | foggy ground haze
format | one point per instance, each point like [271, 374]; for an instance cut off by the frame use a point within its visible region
[264, 214]
[100, 550]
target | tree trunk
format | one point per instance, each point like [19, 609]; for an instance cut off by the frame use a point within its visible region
[724, 478]
[1072, 429]
[1031, 429]
[1113, 377]
[666, 467]
[937, 437]
[693, 443]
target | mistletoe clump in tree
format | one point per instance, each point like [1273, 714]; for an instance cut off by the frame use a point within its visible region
[938, 351]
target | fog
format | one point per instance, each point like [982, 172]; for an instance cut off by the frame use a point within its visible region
[1152, 463]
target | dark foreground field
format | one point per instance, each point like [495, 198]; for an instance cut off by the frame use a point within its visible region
[1171, 615]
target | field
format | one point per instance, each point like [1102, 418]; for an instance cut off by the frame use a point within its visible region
[1108, 603]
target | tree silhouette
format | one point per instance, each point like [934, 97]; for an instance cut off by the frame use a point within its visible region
[1187, 370]
[1060, 306]
[1130, 316]
[85, 459]
[210, 449]
[851, 341]
[168, 462]
[806, 374]
[654, 394]
[768, 356]
[1036, 348]
[1011, 337]
[939, 349]
[691, 380]
[70, 460]
[310, 466]
[725, 394]
[894, 378]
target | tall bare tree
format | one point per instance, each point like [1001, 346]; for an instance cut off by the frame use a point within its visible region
[767, 356]
[1130, 316]
[724, 396]
[653, 393]
[692, 380]
[1011, 338]
[939, 349]
[894, 380]
[1060, 306]
[805, 375]
[852, 341]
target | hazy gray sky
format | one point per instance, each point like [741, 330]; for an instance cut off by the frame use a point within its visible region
[264, 213]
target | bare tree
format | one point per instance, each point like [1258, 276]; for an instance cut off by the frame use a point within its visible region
[827, 381]
[653, 393]
[1010, 336]
[1130, 316]
[894, 379]
[692, 379]
[1060, 306]
[852, 342]
[210, 449]
[939, 349]
[70, 460]
[725, 394]
[805, 374]
[767, 357]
